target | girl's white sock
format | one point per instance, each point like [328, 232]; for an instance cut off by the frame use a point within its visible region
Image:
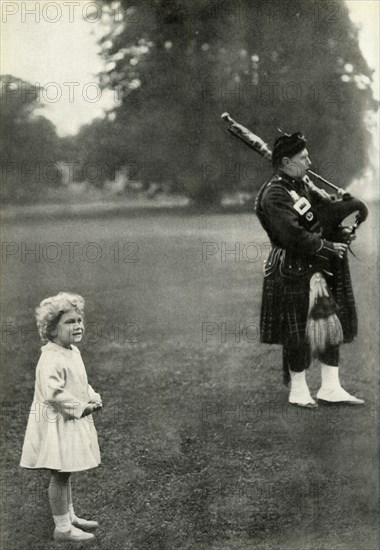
[63, 522]
[71, 512]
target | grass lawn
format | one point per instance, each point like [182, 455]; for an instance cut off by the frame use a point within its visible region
[199, 447]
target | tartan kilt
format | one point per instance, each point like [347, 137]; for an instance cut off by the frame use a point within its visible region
[285, 304]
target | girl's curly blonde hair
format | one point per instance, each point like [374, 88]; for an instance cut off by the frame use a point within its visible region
[50, 310]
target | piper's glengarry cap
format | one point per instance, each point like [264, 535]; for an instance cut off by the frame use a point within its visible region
[287, 146]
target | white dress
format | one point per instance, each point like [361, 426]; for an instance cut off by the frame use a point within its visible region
[56, 436]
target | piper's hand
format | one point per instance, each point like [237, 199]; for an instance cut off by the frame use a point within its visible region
[347, 234]
[341, 194]
[340, 249]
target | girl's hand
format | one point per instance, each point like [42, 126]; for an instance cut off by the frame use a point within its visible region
[92, 406]
[87, 410]
[96, 404]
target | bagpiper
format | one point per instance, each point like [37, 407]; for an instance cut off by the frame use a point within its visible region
[308, 304]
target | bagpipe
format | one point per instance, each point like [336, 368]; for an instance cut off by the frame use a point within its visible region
[323, 325]
[331, 213]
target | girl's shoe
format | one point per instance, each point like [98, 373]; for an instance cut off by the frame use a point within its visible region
[85, 523]
[73, 535]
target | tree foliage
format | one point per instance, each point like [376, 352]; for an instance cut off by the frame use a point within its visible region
[177, 65]
[29, 144]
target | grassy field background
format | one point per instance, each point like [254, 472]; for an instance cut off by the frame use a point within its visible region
[199, 447]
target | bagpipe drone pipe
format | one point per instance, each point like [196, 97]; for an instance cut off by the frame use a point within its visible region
[330, 213]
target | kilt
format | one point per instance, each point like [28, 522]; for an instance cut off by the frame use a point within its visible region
[285, 305]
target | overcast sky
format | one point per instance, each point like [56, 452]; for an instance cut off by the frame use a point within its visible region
[63, 56]
[56, 54]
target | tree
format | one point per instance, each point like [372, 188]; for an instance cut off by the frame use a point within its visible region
[178, 65]
[28, 143]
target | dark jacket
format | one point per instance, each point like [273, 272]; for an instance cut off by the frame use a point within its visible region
[288, 211]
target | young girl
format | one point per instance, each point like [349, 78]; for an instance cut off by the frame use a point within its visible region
[60, 434]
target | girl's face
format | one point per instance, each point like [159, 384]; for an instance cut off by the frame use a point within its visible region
[70, 329]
